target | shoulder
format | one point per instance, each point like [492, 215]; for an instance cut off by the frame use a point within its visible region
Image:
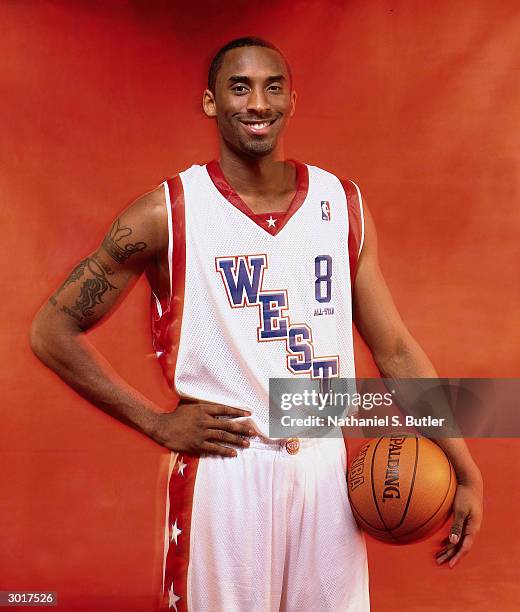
[149, 209]
[192, 172]
[347, 186]
[317, 172]
[141, 228]
[152, 206]
[350, 187]
[356, 209]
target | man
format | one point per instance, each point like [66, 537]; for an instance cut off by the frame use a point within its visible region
[238, 254]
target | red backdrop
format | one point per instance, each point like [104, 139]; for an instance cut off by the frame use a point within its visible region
[100, 101]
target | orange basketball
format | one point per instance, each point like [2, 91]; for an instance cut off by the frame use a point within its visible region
[401, 488]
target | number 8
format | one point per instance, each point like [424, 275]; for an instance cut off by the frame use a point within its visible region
[323, 278]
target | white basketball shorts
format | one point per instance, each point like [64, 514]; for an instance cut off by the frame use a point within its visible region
[269, 530]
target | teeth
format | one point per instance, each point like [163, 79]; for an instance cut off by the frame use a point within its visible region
[259, 126]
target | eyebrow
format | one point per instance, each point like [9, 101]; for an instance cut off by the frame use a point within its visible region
[238, 78]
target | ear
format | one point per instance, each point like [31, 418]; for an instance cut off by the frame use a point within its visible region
[293, 103]
[208, 103]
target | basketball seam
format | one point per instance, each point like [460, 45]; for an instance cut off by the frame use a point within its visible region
[353, 506]
[412, 484]
[360, 517]
[438, 509]
[386, 529]
[364, 519]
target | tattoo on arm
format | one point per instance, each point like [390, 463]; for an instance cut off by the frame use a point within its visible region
[72, 314]
[76, 274]
[92, 290]
[113, 246]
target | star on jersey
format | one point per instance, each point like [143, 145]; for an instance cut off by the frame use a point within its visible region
[271, 222]
[172, 599]
[180, 467]
[175, 532]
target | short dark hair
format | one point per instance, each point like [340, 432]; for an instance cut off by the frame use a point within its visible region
[245, 41]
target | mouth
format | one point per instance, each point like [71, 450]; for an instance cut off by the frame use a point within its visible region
[258, 128]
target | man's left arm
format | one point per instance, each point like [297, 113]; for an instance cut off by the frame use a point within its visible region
[398, 355]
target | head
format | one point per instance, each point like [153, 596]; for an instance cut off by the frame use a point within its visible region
[250, 94]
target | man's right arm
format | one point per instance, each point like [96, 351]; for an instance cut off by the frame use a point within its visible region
[135, 241]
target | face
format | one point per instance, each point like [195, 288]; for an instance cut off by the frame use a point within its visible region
[252, 101]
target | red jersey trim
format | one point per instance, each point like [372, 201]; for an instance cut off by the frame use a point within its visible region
[302, 187]
[355, 227]
[180, 490]
[166, 327]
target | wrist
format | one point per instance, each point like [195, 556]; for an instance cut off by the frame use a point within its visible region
[161, 428]
[465, 467]
[151, 424]
[470, 476]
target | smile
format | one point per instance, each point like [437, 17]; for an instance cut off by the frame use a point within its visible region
[258, 127]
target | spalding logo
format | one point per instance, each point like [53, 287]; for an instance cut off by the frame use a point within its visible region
[391, 490]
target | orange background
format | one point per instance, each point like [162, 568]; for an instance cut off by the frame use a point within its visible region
[417, 102]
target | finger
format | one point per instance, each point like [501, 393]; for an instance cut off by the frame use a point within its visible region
[457, 526]
[472, 526]
[444, 550]
[211, 448]
[467, 543]
[240, 428]
[220, 435]
[220, 409]
[446, 556]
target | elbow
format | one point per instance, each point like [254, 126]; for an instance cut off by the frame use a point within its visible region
[43, 335]
[50, 337]
[37, 337]
[393, 355]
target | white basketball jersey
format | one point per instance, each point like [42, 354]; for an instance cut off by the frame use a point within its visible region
[255, 297]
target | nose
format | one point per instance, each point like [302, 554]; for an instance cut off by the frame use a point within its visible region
[258, 101]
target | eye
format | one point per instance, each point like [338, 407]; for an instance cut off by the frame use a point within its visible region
[239, 89]
[275, 87]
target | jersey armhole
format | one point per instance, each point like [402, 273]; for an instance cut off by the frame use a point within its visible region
[167, 316]
[356, 224]
[168, 205]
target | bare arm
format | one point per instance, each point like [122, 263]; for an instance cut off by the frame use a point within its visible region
[91, 290]
[398, 355]
[135, 241]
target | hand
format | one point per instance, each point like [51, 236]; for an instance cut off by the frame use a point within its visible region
[194, 428]
[467, 510]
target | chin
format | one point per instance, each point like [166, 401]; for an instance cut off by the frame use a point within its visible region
[258, 147]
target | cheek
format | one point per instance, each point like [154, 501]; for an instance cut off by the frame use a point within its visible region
[229, 103]
[227, 126]
[285, 106]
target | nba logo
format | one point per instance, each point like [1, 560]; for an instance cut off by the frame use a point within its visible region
[325, 210]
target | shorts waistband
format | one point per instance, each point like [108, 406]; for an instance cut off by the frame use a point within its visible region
[290, 446]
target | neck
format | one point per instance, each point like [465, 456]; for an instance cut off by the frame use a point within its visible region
[257, 175]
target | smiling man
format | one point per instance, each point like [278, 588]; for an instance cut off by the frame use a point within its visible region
[240, 253]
